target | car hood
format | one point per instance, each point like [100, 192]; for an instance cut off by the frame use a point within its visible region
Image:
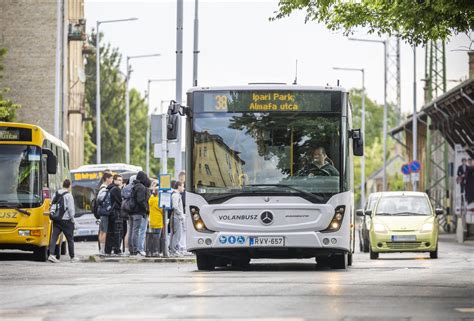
[403, 223]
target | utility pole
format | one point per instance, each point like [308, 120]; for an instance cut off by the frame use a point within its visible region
[179, 79]
[415, 119]
[57, 93]
[196, 43]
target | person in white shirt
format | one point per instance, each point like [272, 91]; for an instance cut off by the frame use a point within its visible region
[178, 220]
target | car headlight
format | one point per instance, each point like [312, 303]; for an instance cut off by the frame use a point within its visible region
[379, 228]
[427, 227]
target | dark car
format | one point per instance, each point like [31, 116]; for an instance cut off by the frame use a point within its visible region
[364, 222]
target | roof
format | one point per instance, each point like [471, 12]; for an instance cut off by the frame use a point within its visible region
[102, 167]
[260, 86]
[452, 114]
[403, 193]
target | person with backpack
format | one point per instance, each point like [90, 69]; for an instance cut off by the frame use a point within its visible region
[128, 204]
[139, 212]
[62, 216]
[114, 231]
[107, 179]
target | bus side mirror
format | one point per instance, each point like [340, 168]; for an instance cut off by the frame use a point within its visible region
[357, 142]
[172, 127]
[51, 161]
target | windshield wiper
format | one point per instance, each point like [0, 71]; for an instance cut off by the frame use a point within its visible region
[382, 213]
[16, 206]
[407, 213]
[314, 196]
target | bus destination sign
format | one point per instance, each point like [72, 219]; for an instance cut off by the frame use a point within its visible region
[15, 134]
[267, 101]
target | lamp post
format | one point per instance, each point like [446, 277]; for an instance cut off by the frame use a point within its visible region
[127, 104]
[148, 122]
[97, 102]
[385, 111]
[362, 162]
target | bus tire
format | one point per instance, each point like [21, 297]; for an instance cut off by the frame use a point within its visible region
[205, 262]
[322, 261]
[41, 254]
[338, 261]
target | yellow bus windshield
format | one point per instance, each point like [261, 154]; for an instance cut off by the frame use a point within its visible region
[20, 176]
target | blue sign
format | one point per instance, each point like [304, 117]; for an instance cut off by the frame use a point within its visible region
[232, 239]
[223, 239]
[406, 170]
[240, 239]
[415, 166]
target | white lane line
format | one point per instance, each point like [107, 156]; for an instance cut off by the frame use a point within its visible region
[199, 291]
[465, 310]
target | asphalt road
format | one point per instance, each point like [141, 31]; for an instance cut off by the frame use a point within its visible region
[395, 287]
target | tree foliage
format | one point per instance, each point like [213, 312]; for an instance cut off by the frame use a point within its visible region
[416, 21]
[7, 106]
[112, 101]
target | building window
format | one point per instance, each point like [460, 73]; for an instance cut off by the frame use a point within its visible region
[212, 184]
[200, 168]
[208, 170]
[205, 151]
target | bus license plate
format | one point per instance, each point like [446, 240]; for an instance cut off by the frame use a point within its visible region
[403, 238]
[270, 241]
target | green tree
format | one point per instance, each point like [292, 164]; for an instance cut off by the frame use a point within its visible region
[112, 101]
[415, 21]
[7, 107]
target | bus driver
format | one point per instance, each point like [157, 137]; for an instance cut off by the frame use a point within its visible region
[319, 166]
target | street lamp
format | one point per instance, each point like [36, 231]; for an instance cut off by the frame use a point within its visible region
[362, 163]
[97, 103]
[148, 122]
[385, 116]
[127, 104]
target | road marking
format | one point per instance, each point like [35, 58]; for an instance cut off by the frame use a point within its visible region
[465, 310]
[199, 291]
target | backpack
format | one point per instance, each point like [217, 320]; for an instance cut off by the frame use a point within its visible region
[128, 201]
[95, 204]
[58, 208]
[105, 207]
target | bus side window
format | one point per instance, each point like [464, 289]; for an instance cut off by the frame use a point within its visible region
[44, 173]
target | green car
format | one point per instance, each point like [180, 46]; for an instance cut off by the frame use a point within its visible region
[403, 222]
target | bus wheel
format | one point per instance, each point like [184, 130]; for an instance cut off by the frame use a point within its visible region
[41, 254]
[205, 262]
[338, 261]
[322, 261]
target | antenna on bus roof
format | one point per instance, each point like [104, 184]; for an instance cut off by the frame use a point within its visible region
[295, 82]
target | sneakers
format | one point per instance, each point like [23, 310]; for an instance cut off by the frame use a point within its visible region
[142, 253]
[53, 259]
[75, 260]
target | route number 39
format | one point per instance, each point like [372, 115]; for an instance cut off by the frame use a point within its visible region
[221, 102]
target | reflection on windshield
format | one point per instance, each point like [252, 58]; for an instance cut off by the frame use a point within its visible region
[20, 175]
[235, 150]
[83, 196]
[400, 205]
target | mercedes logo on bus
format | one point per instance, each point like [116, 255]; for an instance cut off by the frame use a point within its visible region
[266, 218]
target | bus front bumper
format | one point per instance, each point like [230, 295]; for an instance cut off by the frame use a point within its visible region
[23, 238]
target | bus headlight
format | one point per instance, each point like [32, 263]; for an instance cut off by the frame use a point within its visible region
[336, 221]
[24, 232]
[198, 223]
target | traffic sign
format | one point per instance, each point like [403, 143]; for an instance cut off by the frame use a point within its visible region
[415, 166]
[406, 169]
[415, 177]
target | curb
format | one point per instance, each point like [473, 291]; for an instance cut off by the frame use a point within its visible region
[127, 259]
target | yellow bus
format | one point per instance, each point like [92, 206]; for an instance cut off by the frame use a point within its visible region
[33, 165]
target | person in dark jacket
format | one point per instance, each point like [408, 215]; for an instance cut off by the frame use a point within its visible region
[115, 221]
[141, 195]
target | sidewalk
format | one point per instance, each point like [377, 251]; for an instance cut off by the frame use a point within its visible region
[88, 252]
[451, 238]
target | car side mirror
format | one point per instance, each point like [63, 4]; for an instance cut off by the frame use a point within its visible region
[368, 212]
[360, 212]
[51, 161]
[357, 142]
[439, 211]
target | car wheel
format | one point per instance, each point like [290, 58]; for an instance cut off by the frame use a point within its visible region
[338, 261]
[349, 259]
[434, 254]
[373, 255]
[205, 262]
[366, 245]
[41, 253]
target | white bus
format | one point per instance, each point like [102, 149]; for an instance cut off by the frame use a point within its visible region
[270, 174]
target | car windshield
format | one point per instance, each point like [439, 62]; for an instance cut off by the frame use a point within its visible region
[403, 205]
[264, 152]
[20, 176]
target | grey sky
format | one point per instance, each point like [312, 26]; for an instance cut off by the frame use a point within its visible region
[239, 45]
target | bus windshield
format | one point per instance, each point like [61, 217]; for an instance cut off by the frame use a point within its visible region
[266, 152]
[20, 176]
